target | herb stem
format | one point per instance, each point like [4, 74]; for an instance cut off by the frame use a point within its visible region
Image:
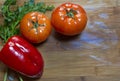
[20, 78]
[5, 76]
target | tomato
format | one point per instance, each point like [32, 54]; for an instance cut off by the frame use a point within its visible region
[35, 27]
[69, 19]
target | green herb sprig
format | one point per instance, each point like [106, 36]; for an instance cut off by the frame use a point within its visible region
[12, 17]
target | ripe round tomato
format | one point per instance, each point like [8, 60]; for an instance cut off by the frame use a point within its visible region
[69, 19]
[35, 27]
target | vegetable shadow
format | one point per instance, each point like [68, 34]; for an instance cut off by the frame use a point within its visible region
[64, 38]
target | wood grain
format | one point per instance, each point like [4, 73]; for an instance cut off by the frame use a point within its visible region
[94, 55]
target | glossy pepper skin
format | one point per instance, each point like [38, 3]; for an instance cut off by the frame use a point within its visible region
[22, 57]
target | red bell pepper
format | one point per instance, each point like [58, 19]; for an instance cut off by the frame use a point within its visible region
[22, 57]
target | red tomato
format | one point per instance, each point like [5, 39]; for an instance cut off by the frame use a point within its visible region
[69, 19]
[35, 27]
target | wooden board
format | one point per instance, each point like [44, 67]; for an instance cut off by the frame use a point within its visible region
[94, 55]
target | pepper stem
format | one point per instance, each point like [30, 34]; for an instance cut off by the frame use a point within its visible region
[71, 13]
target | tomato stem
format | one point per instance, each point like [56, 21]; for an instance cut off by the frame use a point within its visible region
[35, 24]
[71, 13]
